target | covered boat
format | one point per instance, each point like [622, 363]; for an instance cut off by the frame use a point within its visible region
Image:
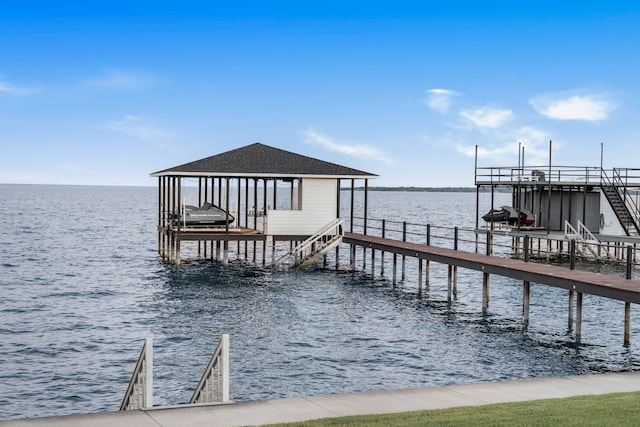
[510, 215]
[207, 215]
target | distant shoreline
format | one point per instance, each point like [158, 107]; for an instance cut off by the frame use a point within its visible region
[423, 189]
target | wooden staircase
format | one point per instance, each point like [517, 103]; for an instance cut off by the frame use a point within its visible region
[308, 252]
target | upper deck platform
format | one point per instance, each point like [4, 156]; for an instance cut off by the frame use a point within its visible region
[595, 176]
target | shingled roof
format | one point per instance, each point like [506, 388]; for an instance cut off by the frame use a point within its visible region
[259, 160]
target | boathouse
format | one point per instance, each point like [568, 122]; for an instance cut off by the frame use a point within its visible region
[271, 196]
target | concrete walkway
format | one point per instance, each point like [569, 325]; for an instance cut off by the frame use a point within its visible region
[300, 409]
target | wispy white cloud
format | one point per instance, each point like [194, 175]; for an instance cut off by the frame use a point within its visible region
[134, 126]
[118, 79]
[11, 89]
[534, 141]
[573, 107]
[440, 99]
[487, 117]
[356, 150]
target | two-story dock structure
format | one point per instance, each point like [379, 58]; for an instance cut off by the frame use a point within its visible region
[595, 206]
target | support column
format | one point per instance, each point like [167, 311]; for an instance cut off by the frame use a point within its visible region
[571, 313]
[578, 323]
[373, 262]
[526, 287]
[485, 292]
[364, 258]
[352, 257]
[449, 282]
[426, 280]
[395, 266]
[627, 323]
[455, 281]
[177, 258]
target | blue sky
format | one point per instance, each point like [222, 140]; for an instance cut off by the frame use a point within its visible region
[106, 94]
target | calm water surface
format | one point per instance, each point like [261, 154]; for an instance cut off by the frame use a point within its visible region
[82, 287]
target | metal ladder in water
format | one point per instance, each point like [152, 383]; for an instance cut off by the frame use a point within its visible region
[309, 251]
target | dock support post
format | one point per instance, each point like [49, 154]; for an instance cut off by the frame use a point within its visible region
[395, 267]
[455, 282]
[572, 255]
[485, 292]
[419, 275]
[571, 315]
[578, 324]
[627, 323]
[404, 258]
[426, 281]
[364, 258]
[449, 281]
[177, 255]
[526, 288]
[352, 257]
[373, 262]
[384, 222]
[225, 253]
[629, 256]
[485, 276]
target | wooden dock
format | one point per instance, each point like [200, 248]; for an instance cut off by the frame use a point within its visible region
[575, 281]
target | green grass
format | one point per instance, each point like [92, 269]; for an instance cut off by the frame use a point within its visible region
[618, 409]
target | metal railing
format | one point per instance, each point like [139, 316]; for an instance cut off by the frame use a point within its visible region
[425, 234]
[213, 387]
[327, 236]
[541, 247]
[587, 175]
[139, 394]
[586, 240]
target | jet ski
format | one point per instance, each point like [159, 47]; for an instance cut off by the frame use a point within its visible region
[510, 215]
[207, 215]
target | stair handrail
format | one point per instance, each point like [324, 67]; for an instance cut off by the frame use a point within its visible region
[586, 234]
[569, 231]
[632, 206]
[626, 201]
[213, 386]
[139, 394]
[335, 226]
[587, 239]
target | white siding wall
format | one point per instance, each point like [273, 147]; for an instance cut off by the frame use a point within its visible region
[610, 224]
[319, 205]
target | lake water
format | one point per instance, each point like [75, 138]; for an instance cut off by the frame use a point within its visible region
[82, 287]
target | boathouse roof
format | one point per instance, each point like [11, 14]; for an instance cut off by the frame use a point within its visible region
[259, 160]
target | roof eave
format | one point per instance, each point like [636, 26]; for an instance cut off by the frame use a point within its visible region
[258, 175]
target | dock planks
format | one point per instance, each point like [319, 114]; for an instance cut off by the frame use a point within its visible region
[619, 288]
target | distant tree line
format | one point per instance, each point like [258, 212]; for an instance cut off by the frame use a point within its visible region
[426, 189]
